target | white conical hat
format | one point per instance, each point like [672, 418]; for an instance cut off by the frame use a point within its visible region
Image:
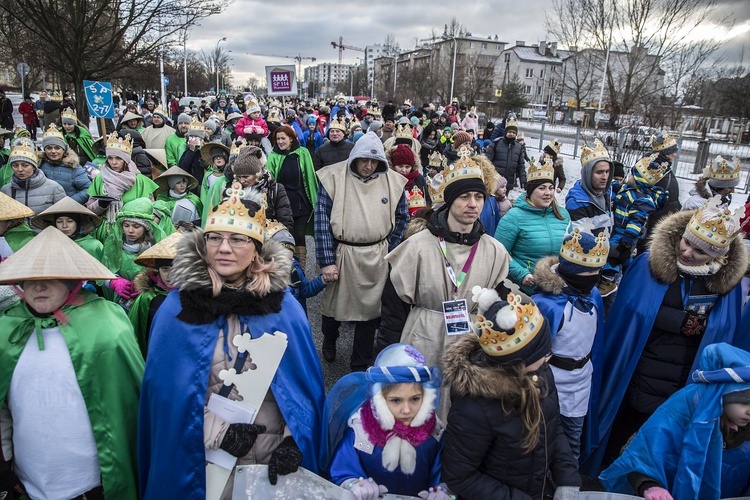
[166, 249]
[11, 209]
[89, 220]
[52, 255]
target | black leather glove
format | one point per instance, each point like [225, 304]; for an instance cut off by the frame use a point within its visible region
[285, 459]
[9, 483]
[240, 438]
[620, 255]
[693, 324]
[103, 203]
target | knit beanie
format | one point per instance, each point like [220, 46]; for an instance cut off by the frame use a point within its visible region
[461, 186]
[54, 139]
[248, 161]
[618, 169]
[532, 185]
[460, 138]
[375, 126]
[403, 155]
[184, 118]
[211, 124]
[173, 180]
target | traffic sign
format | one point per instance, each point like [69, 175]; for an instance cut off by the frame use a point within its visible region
[166, 80]
[99, 99]
[23, 69]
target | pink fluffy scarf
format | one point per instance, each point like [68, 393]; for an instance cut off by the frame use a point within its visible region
[379, 436]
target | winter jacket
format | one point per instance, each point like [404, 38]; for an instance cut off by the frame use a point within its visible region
[584, 212]
[40, 193]
[301, 186]
[559, 173]
[666, 360]
[483, 455]
[174, 147]
[635, 204]
[303, 288]
[671, 204]
[530, 233]
[699, 195]
[27, 111]
[68, 174]
[507, 157]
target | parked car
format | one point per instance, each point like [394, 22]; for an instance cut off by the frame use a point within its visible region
[633, 137]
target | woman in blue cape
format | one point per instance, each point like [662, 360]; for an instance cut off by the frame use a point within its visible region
[674, 300]
[697, 444]
[231, 281]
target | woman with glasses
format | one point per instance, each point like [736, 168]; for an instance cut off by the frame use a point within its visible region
[232, 291]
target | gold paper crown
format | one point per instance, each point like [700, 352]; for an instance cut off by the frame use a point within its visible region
[649, 174]
[197, 126]
[23, 151]
[340, 97]
[219, 115]
[56, 96]
[231, 215]
[20, 131]
[337, 124]
[53, 132]
[274, 116]
[124, 144]
[252, 103]
[273, 227]
[403, 131]
[545, 171]
[463, 168]
[237, 146]
[375, 113]
[407, 102]
[497, 341]
[436, 159]
[598, 153]
[555, 146]
[415, 198]
[454, 99]
[572, 251]
[473, 109]
[667, 141]
[161, 111]
[69, 113]
[715, 225]
[436, 189]
[511, 122]
[721, 170]
[275, 104]
[354, 122]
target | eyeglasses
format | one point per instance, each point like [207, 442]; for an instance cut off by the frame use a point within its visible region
[235, 240]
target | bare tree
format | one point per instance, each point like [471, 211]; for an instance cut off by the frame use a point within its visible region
[95, 39]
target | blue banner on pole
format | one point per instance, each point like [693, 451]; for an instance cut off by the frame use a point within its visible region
[99, 99]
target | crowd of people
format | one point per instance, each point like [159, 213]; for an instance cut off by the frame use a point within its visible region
[154, 332]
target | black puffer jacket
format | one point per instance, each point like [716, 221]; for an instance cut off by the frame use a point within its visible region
[331, 152]
[138, 155]
[507, 157]
[483, 455]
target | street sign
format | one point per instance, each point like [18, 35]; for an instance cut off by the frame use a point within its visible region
[166, 80]
[99, 99]
[23, 69]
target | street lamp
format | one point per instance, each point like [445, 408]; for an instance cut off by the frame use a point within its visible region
[224, 39]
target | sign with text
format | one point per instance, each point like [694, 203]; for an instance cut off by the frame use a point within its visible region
[99, 99]
[282, 80]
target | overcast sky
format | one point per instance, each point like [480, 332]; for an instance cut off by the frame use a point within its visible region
[269, 28]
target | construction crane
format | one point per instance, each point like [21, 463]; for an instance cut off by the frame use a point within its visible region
[342, 46]
[298, 58]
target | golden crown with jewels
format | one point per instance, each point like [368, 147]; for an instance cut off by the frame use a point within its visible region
[715, 225]
[651, 171]
[237, 146]
[232, 215]
[117, 143]
[23, 151]
[53, 132]
[543, 171]
[662, 140]
[415, 199]
[572, 251]
[463, 168]
[721, 170]
[404, 131]
[69, 113]
[436, 188]
[498, 341]
[337, 124]
[437, 160]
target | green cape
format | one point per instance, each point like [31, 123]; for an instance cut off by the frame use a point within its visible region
[309, 179]
[213, 197]
[169, 202]
[109, 368]
[143, 188]
[18, 236]
[138, 315]
[92, 246]
[85, 142]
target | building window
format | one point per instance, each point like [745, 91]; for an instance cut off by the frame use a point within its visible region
[498, 48]
[539, 90]
[529, 72]
[541, 74]
[527, 89]
[484, 46]
[471, 45]
[507, 56]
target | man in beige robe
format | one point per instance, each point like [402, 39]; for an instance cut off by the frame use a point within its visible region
[420, 282]
[360, 216]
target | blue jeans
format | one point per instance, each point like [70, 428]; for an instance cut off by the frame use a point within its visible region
[573, 426]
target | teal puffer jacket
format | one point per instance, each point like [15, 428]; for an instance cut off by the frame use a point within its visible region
[530, 233]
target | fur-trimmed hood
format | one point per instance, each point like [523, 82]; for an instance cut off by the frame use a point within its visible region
[547, 280]
[190, 270]
[70, 159]
[416, 225]
[663, 255]
[143, 282]
[467, 379]
[701, 188]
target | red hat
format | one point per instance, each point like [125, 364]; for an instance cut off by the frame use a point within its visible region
[403, 155]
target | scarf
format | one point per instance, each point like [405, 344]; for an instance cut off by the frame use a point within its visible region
[172, 194]
[135, 247]
[115, 185]
[399, 442]
[412, 176]
[704, 270]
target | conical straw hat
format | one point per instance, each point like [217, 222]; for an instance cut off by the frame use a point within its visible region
[160, 155]
[11, 209]
[51, 255]
[89, 220]
[163, 179]
[165, 249]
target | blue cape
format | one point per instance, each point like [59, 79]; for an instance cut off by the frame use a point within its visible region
[680, 446]
[171, 452]
[626, 331]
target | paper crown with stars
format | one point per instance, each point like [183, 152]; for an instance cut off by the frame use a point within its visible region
[598, 152]
[722, 174]
[544, 171]
[713, 228]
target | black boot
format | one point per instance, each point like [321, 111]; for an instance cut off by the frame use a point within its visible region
[330, 329]
[364, 338]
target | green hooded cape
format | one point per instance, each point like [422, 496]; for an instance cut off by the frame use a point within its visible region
[109, 368]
